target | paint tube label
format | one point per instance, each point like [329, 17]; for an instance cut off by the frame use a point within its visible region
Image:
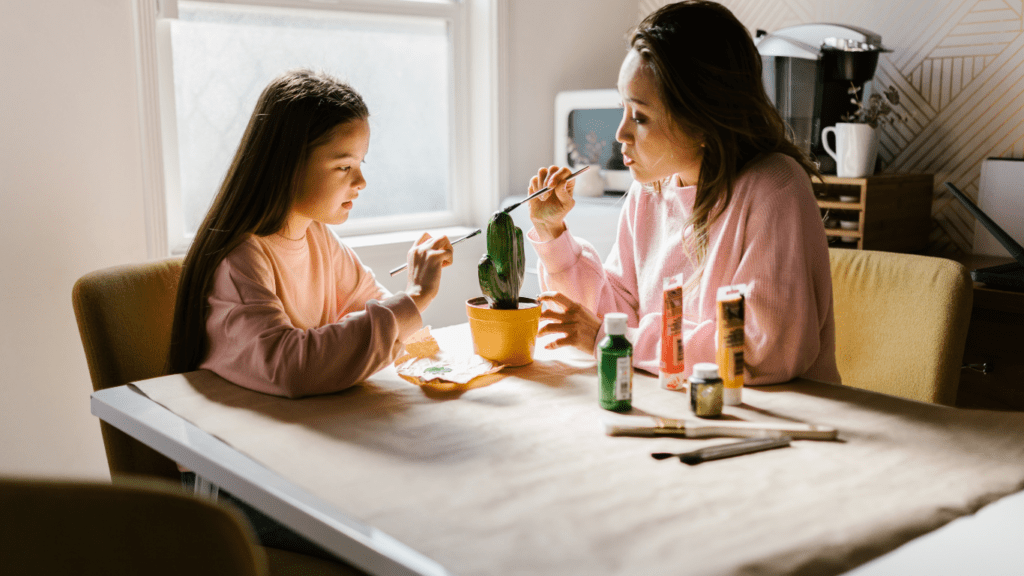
[624, 378]
[670, 372]
[729, 349]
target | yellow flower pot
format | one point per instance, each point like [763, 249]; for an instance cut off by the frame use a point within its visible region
[504, 336]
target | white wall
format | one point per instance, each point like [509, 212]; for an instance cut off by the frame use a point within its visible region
[69, 172]
[70, 178]
[555, 46]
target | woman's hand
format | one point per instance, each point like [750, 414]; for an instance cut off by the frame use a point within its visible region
[426, 258]
[547, 211]
[579, 325]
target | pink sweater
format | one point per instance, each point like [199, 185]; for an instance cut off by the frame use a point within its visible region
[770, 236]
[302, 317]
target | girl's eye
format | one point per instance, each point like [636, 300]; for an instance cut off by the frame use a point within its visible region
[639, 119]
[345, 168]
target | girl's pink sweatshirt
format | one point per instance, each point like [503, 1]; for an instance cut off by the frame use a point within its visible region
[770, 237]
[301, 317]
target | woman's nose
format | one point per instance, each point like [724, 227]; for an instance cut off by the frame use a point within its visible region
[622, 133]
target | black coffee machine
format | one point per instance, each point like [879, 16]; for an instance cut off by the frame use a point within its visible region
[808, 72]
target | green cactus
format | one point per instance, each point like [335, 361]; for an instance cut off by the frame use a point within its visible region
[501, 270]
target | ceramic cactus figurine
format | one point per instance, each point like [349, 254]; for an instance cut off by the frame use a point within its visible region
[501, 269]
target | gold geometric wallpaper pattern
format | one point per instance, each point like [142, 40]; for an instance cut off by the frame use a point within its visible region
[959, 65]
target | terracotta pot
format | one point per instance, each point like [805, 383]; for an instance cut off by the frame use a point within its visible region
[504, 336]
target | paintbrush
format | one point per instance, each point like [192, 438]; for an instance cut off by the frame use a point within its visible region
[454, 242]
[638, 425]
[726, 450]
[508, 209]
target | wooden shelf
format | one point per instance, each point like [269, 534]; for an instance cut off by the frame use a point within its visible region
[843, 233]
[839, 205]
[893, 212]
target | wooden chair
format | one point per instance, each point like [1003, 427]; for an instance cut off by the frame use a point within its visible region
[901, 322]
[124, 317]
[138, 527]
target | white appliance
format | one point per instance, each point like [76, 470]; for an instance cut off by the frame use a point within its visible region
[585, 126]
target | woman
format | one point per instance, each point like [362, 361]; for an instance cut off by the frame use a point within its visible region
[721, 196]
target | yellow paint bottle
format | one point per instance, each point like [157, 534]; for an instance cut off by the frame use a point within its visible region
[729, 350]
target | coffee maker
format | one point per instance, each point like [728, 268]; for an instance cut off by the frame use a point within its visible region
[808, 70]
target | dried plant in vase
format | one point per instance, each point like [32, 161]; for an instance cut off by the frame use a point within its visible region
[879, 109]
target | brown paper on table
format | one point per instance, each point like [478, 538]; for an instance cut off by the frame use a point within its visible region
[425, 364]
[521, 479]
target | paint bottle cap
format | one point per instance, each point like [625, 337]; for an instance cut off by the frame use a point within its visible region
[615, 323]
[705, 371]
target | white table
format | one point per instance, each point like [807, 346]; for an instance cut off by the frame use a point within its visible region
[983, 543]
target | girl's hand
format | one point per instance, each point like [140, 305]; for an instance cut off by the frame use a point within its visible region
[426, 258]
[579, 325]
[547, 211]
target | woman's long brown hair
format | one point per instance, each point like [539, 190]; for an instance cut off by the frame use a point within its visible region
[709, 74]
[295, 112]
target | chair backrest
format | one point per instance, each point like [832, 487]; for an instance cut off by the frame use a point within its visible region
[136, 527]
[124, 316]
[901, 322]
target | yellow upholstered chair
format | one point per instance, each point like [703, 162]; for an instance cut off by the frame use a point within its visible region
[124, 316]
[901, 322]
[134, 527]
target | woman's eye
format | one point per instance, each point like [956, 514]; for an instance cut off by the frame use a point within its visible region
[639, 119]
[345, 168]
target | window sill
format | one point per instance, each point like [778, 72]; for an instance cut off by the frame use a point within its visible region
[380, 240]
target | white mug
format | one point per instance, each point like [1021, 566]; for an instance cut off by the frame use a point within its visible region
[856, 148]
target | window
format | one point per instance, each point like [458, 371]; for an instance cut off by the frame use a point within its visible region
[413, 61]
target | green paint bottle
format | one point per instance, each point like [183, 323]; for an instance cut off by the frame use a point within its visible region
[615, 365]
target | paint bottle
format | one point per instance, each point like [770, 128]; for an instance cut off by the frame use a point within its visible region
[729, 353]
[672, 364]
[615, 365]
[706, 390]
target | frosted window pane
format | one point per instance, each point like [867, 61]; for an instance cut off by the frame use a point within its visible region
[224, 57]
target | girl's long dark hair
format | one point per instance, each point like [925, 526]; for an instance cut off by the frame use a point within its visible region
[295, 112]
[709, 73]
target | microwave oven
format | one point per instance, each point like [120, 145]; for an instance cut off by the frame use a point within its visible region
[585, 126]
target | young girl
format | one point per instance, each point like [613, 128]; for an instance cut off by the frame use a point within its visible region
[268, 298]
[721, 196]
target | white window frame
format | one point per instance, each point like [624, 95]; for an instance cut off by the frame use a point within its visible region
[479, 156]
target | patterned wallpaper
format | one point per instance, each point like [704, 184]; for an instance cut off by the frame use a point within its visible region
[959, 65]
